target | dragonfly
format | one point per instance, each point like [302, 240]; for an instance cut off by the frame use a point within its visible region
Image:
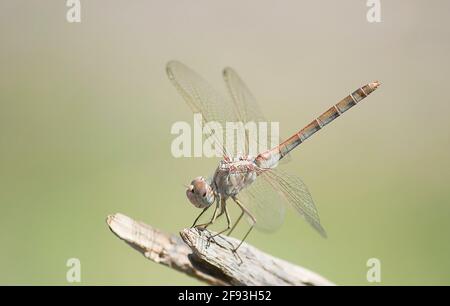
[255, 184]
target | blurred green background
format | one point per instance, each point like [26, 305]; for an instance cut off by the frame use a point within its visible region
[86, 111]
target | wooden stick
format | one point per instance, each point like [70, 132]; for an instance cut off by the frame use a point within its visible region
[214, 261]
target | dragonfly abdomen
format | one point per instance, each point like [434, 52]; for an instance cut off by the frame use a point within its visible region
[269, 158]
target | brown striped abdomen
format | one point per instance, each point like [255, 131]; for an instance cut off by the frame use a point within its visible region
[270, 158]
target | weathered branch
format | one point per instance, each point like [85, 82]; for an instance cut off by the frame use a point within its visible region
[213, 262]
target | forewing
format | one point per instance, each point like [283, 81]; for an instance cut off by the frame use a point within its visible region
[201, 98]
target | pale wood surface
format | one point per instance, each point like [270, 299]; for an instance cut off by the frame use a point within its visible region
[213, 262]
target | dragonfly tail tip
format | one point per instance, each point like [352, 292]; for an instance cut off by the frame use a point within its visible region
[374, 85]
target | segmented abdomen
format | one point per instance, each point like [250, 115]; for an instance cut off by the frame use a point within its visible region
[270, 158]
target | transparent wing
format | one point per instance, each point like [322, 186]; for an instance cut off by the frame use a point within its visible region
[248, 110]
[246, 106]
[203, 99]
[267, 196]
[265, 203]
[296, 193]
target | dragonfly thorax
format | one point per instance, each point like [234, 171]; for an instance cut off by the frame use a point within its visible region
[241, 163]
[233, 176]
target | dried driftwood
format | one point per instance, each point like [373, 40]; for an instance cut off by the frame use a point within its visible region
[213, 261]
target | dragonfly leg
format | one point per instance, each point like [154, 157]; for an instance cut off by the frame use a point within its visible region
[228, 223]
[248, 232]
[221, 204]
[214, 217]
[234, 226]
[220, 214]
[245, 210]
[203, 211]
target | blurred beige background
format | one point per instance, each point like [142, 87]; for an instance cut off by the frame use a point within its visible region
[86, 111]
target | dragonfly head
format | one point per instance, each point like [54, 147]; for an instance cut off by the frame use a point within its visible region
[200, 193]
